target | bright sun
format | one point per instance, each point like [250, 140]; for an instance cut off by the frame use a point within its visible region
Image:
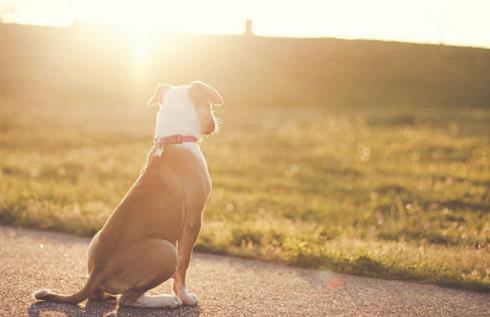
[143, 21]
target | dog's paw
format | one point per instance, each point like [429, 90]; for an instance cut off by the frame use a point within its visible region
[173, 302]
[189, 299]
[158, 301]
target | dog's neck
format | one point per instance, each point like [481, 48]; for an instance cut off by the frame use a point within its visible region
[170, 123]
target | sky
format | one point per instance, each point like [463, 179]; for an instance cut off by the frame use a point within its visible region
[451, 22]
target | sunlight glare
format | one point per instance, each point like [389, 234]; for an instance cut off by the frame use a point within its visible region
[424, 21]
[141, 48]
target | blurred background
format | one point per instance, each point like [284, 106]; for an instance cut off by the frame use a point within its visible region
[132, 45]
[355, 134]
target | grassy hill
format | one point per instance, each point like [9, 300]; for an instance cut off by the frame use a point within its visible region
[84, 61]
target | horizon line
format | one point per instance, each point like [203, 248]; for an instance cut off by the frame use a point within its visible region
[245, 33]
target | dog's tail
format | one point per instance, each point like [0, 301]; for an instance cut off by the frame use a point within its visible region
[80, 296]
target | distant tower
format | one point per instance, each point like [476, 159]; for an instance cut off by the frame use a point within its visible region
[248, 28]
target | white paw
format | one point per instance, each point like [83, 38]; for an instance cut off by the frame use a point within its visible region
[189, 298]
[166, 301]
[159, 301]
[173, 302]
[40, 294]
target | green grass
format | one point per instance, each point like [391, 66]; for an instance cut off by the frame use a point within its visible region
[395, 193]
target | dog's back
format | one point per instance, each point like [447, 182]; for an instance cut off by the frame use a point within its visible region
[167, 187]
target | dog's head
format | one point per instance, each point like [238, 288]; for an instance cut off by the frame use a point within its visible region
[190, 105]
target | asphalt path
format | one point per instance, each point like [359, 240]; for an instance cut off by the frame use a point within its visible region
[226, 286]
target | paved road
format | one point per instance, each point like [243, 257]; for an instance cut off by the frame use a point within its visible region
[226, 286]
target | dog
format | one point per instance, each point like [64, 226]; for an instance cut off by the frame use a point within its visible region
[149, 237]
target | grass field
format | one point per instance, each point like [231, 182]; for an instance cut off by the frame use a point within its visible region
[396, 193]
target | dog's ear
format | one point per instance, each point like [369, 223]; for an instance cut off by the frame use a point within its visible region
[157, 97]
[202, 92]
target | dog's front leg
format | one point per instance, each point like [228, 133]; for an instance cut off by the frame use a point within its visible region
[184, 249]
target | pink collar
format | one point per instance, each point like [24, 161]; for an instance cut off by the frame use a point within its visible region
[175, 139]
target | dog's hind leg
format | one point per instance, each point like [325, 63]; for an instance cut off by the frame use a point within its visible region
[100, 295]
[139, 299]
[151, 262]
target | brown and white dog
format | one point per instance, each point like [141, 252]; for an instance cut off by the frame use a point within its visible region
[150, 235]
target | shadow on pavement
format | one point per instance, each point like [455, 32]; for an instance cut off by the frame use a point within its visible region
[38, 309]
[106, 309]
